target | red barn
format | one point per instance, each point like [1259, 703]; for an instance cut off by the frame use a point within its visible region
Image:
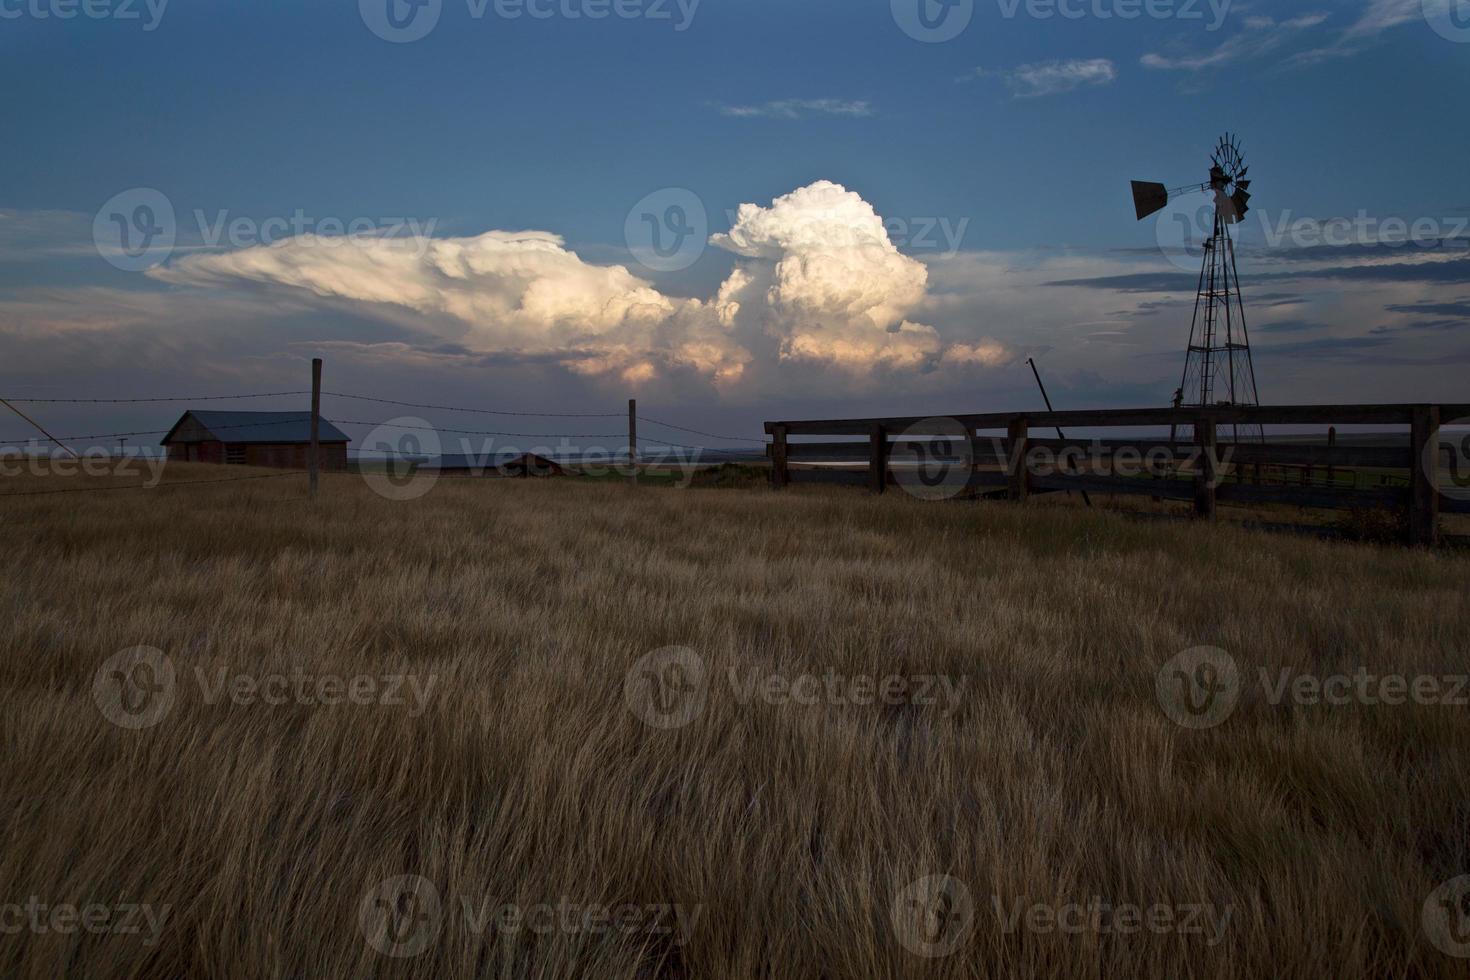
[280, 439]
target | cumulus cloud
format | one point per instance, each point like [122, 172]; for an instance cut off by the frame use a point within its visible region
[818, 282]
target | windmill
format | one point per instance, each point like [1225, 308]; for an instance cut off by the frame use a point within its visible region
[1217, 366]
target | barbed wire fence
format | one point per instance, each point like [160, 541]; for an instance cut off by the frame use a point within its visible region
[635, 454]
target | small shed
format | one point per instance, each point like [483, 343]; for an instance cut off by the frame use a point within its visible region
[279, 439]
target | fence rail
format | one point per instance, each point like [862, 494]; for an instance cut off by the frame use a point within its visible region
[1202, 467]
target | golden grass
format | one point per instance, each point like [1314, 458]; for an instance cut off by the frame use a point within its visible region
[785, 833]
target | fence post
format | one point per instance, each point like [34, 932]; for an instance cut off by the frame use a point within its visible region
[633, 441]
[1206, 476]
[1020, 479]
[1424, 477]
[314, 462]
[1331, 456]
[877, 459]
[780, 476]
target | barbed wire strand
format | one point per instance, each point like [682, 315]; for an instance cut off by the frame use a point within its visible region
[131, 401]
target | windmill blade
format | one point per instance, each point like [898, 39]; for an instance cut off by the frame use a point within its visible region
[1149, 198]
[1240, 204]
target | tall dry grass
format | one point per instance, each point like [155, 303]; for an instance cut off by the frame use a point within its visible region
[785, 833]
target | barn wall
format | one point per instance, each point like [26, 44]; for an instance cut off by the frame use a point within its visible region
[294, 456]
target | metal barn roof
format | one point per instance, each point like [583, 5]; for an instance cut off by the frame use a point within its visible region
[255, 427]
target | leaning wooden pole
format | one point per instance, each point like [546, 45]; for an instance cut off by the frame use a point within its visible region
[39, 428]
[314, 462]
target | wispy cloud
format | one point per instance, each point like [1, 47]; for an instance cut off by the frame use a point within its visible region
[1051, 77]
[1380, 16]
[800, 108]
[1261, 36]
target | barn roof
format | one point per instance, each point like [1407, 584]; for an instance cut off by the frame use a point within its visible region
[258, 427]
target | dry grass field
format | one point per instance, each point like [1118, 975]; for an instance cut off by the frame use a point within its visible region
[981, 779]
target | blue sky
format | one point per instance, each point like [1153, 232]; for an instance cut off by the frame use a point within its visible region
[1021, 132]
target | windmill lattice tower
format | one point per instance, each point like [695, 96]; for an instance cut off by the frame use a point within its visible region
[1218, 369]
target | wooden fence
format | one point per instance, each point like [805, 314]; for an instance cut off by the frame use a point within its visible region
[1201, 467]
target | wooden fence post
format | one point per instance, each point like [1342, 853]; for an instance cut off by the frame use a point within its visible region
[780, 474]
[1424, 477]
[633, 441]
[314, 463]
[1206, 476]
[1020, 478]
[877, 459]
[1331, 445]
